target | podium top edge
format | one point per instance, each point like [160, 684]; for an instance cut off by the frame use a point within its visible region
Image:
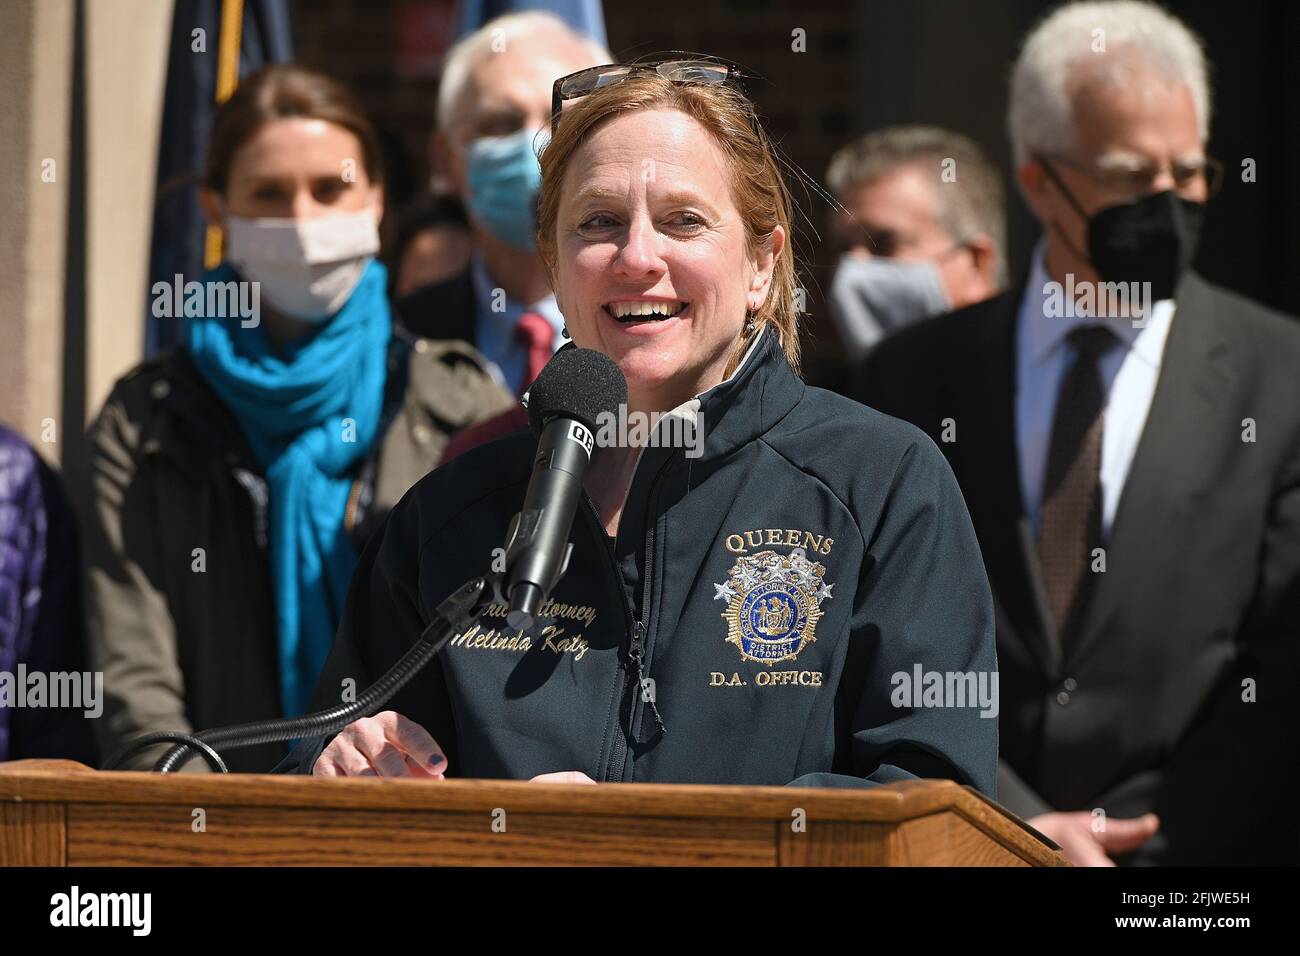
[65, 781]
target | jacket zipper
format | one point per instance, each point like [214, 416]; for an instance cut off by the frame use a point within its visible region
[618, 747]
[636, 633]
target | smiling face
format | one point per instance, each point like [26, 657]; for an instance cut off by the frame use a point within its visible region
[653, 267]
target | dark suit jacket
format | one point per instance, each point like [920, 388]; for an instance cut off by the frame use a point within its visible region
[1200, 596]
[444, 310]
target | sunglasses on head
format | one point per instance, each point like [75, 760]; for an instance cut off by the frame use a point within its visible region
[677, 66]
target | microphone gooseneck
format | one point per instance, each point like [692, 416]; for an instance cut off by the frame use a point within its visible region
[453, 616]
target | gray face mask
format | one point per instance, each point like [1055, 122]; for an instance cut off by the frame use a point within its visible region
[870, 298]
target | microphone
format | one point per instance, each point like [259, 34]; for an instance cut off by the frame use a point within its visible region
[573, 392]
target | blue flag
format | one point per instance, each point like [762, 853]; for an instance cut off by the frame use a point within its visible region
[188, 106]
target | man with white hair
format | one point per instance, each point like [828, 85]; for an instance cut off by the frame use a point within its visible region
[1127, 436]
[494, 106]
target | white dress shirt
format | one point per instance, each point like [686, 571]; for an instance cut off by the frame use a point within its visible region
[1129, 372]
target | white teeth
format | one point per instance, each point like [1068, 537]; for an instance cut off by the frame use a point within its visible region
[622, 310]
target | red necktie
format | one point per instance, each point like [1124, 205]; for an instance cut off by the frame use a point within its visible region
[538, 336]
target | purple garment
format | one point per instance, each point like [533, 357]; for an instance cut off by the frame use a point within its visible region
[40, 602]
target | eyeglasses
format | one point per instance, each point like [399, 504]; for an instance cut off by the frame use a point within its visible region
[677, 66]
[1137, 177]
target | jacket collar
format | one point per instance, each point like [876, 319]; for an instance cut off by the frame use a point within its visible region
[761, 392]
[731, 414]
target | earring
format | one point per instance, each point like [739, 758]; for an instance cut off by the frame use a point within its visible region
[749, 322]
[564, 332]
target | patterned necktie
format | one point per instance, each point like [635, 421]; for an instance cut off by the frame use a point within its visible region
[1070, 518]
[538, 337]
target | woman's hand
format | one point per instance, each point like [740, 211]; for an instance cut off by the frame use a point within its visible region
[385, 745]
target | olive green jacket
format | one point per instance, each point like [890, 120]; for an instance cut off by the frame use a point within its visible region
[180, 606]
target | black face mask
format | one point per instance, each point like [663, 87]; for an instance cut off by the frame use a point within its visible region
[1152, 239]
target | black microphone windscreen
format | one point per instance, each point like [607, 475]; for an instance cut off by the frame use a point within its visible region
[576, 383]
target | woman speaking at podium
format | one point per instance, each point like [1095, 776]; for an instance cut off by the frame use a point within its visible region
[762, 608]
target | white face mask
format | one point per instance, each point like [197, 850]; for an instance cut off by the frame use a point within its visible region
[870, 298]
[307, 268]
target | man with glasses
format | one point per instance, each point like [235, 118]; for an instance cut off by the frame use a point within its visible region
[920, 231]
[1127, 436]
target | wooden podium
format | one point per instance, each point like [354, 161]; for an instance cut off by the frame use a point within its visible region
[60, 813]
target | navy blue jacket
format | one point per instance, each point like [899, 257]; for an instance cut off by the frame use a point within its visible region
[760, 619]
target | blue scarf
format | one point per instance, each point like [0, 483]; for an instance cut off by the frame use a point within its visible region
[310, 413]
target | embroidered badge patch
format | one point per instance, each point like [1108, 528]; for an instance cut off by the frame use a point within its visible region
[773, 604]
